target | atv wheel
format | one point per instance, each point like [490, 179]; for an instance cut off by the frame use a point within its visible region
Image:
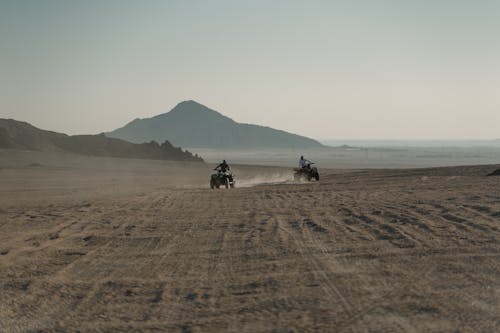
[317, 177]
[212, 185]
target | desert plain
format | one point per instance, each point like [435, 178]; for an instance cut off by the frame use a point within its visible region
[114, 245]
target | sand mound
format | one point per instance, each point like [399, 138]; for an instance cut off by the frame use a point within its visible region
[495, 173]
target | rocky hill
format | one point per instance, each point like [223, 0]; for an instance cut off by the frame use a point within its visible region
[191, 124]
[21, 135]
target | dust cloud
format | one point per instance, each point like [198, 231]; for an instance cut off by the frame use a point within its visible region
[266, 179]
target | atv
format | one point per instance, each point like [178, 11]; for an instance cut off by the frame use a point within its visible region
[222, 179]
[308, 173]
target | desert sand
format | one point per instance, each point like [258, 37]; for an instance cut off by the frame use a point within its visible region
[114, 245]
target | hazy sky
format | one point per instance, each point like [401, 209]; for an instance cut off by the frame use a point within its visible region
[421, 69]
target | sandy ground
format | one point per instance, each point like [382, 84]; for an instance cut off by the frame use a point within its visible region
[111, 245]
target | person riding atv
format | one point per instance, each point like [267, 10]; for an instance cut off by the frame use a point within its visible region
[305, 170]
[222, 177]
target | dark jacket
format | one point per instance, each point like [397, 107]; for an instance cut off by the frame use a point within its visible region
[223, 167]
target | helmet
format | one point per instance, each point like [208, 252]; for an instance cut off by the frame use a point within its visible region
[301, 157]
[223, 161]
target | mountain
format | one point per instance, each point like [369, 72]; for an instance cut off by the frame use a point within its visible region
[21, 135]
[191, 124]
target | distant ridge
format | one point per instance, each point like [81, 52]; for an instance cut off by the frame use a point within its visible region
[21, 135]
[191, 124]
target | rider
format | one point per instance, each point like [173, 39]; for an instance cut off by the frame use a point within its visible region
[223, 167]
[304, 163]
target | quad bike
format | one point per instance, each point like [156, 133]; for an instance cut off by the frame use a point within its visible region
[222, 179]
[308, 172]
